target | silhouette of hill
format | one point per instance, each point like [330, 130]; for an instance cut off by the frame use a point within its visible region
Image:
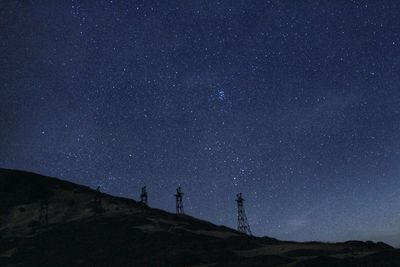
[125, 232]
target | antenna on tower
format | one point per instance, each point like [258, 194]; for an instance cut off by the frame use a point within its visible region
[179, 203]
[243, 224]
[143, 195]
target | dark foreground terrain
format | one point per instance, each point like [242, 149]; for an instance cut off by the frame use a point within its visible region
[123, 232]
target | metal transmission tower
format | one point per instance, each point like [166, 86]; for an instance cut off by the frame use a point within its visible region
[179, 203]
[97, 201]
[143, 195]
[243, 224]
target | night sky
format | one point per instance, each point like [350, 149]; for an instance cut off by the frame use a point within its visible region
[293, 103]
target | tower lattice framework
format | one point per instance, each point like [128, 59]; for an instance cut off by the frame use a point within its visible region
[143, 196]
[179, 201]
[243, 225]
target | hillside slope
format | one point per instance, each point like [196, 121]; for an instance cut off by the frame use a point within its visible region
[123, 232]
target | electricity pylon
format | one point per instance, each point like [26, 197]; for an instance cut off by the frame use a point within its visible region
[179, 203]
[143, 195]
[243, 225]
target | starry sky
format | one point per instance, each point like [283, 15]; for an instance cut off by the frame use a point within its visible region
[293, 103]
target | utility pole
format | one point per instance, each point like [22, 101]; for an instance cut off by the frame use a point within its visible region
[179, 203]
[243, 225]
[143, 196]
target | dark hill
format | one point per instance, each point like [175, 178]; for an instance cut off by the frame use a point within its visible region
[124, 232]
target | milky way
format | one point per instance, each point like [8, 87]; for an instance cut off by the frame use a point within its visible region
[296, 105]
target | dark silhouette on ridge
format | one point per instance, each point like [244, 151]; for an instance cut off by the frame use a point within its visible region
[97, 201]
[124, 236]
[243, 225]
[143, 196]
[179, 201]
